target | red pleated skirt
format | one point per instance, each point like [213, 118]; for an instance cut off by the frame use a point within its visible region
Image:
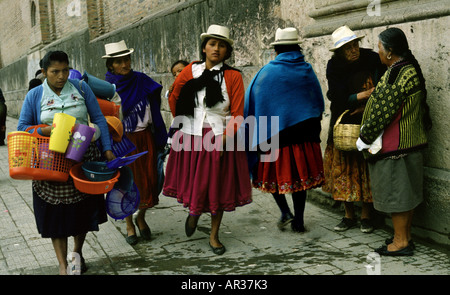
[144, 167]
[204, 181]
[298, 167]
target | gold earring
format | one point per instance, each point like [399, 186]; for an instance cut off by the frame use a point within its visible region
[389, 57]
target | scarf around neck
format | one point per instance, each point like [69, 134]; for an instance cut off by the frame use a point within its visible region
[136, 90]
[188, 99]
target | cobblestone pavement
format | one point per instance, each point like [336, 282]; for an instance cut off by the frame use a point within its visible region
[255, 246]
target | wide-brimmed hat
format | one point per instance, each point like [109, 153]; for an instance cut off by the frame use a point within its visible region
[342, 36]
[287, 36]
[217, 32]
[117, 49]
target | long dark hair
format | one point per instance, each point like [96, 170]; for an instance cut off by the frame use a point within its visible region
[394, 39]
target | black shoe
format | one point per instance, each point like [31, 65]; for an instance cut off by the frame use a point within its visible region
[187, 229]
[132, 240]
[407, 251]
[83, 266]
[145, 233]
[345, 224]
[366, 226]
[218, 250]
[391, 240]
[298, 228]
[285, 220]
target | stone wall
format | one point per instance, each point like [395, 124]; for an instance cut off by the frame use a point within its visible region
[164, 31]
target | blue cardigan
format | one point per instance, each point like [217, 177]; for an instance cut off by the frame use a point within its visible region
[31, 111]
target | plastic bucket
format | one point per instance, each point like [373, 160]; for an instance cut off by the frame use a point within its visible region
[39, 163]
[101, 88]
[121, 203]
[79, 143]
[23, 149]
[108, 108]
[61, 132]
[74, 74]
[115, 127]
[86, 186]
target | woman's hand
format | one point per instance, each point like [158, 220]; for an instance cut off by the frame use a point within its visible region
[109, 155]
[46, 131]
[364, 95]
[358, 110]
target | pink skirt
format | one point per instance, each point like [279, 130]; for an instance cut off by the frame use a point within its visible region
[298, 167]
[201, 179]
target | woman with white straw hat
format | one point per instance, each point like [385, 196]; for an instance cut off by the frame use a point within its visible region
[287, 88]
[352, 73]
[203, 172]
[143, 125]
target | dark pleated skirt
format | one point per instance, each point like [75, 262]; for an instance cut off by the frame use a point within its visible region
[65, 220]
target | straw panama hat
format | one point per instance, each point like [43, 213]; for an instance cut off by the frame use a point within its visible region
[342, 36]
[217, 32]
[287, 36]
[117, 49]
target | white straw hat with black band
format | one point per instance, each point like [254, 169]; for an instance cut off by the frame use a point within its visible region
[117, 49]
[287, 36]
[342, 36]
[217, 32]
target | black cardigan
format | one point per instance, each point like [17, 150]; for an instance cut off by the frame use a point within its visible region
[341, 74]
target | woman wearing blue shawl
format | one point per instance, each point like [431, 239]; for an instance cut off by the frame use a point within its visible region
[286, 89]
[143, 125]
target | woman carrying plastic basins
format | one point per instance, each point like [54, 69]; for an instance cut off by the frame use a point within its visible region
[60, 209]
[143, 126]
[203, 172]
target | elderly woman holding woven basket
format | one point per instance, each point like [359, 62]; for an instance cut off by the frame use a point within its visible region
[397, 114]
[352, 73]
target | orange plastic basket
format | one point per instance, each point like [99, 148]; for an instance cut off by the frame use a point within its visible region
[30, 159]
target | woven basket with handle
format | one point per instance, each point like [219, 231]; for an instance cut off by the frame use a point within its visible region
[345, 135]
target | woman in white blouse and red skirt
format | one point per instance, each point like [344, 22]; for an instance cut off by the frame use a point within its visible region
[203, 172]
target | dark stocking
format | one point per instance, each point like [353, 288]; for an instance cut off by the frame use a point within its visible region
[299, 200]
[282, 203]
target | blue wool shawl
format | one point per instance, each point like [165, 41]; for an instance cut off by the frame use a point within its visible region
[137, 90]
[286, 87]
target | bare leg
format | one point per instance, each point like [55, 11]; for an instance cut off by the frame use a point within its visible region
[400, 221]
[215, 225]
[131, 230]
[60, 246]
[349, 210]
[140, 219]
[78, 243]
[366, 210]
[410, 218]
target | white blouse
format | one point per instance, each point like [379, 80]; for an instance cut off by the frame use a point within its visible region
[216, 116]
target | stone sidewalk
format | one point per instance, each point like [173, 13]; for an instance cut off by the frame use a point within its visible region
[255, 246]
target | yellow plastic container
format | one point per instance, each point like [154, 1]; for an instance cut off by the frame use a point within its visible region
[61, 133]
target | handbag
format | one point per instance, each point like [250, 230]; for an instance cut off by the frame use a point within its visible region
[345, 135]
